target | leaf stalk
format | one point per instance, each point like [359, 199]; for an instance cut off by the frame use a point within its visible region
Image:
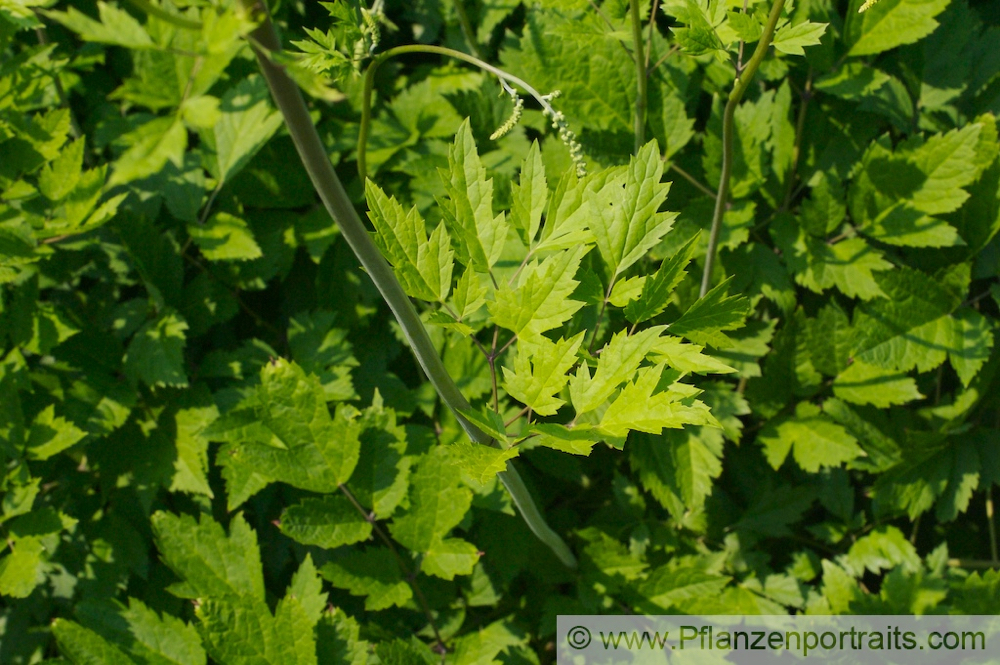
[639, 55]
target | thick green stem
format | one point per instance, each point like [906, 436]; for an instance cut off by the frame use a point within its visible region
[639, 54]
[369, 84]
[742, 83]
[288, 98]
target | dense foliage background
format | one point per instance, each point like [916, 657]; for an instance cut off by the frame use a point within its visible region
[216, 445]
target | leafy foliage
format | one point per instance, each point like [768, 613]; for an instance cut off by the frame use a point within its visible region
[217, 446]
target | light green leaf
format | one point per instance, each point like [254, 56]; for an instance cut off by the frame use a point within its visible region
[116, 26]
[687, 358]
[489, 422]
[163, 640]
[637, 408]
[60, 177]
[151, 146]
[530, 195]
[539, 372]
[577, 441]
[678, 468]
[225, 237]
[815, 440]
[423, 267]
[972, 341]
[450, 557]
[705, 320]
[866, 384]
[209, 562]
[618, 362]
[51, 434]
[481, 463]
[672, 586]
[540, 300]
[791, 38]
[468, 210]
[625, 220]
[328, 522]
[891, 23]
[19, 570]
[246, 122]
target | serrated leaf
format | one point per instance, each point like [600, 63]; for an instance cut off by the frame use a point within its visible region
[489, 422]
[539, 372]
[372, 573]
[671, 587]
[58, 178]
[815, 440]
[657, 289]
[328, 522]
[637, 407]
[225, 237]
[618, 362]
[163, 640]
[482, 463]
[626, 221]
[791, 38]
[51, 434]
[468, 209]
[866, 384]
[450, 557]
[437, 504]
[530, 196]
[155, 355]
[19, 570]
[85, 647]
[116, 26]
[210, 562]
[423, 266]
[687, 358]
[579, 440]
[891, 23]
[540, 300]
[746, 26]
[705, 320]
[151, 146]
[246, 122]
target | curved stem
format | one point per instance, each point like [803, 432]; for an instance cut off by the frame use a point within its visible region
[369, 84]
[742, 83]
[290, 102]
[638, 53]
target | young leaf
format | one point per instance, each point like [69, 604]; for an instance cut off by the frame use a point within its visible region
[468, 210]
[540, 301]
[530, 196]
[482, 463]
[116, 26]
[539, 372]
[637, 408]
[617, 363]
[423, 267]
[791, 38]
[891, 23]
[626, 221]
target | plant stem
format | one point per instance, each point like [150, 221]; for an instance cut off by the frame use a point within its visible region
[742, 83]
[411, 576]
[800, 125]
[369, 84]
[638, 53]
[290, 102]
[467, 28]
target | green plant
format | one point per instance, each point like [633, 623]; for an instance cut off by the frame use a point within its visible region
[217, 444]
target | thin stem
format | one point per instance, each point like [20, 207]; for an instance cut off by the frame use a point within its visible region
[800, 125]
[600, 316]
[638, 54]
[411, 576]
[493, 368]
[649, 34]
[369, 84]
[739, 59]
[742, 83]
[312, 152]
[973, 564]
[663, 58]
[691, 179]
[467, 29]
[517, 417]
